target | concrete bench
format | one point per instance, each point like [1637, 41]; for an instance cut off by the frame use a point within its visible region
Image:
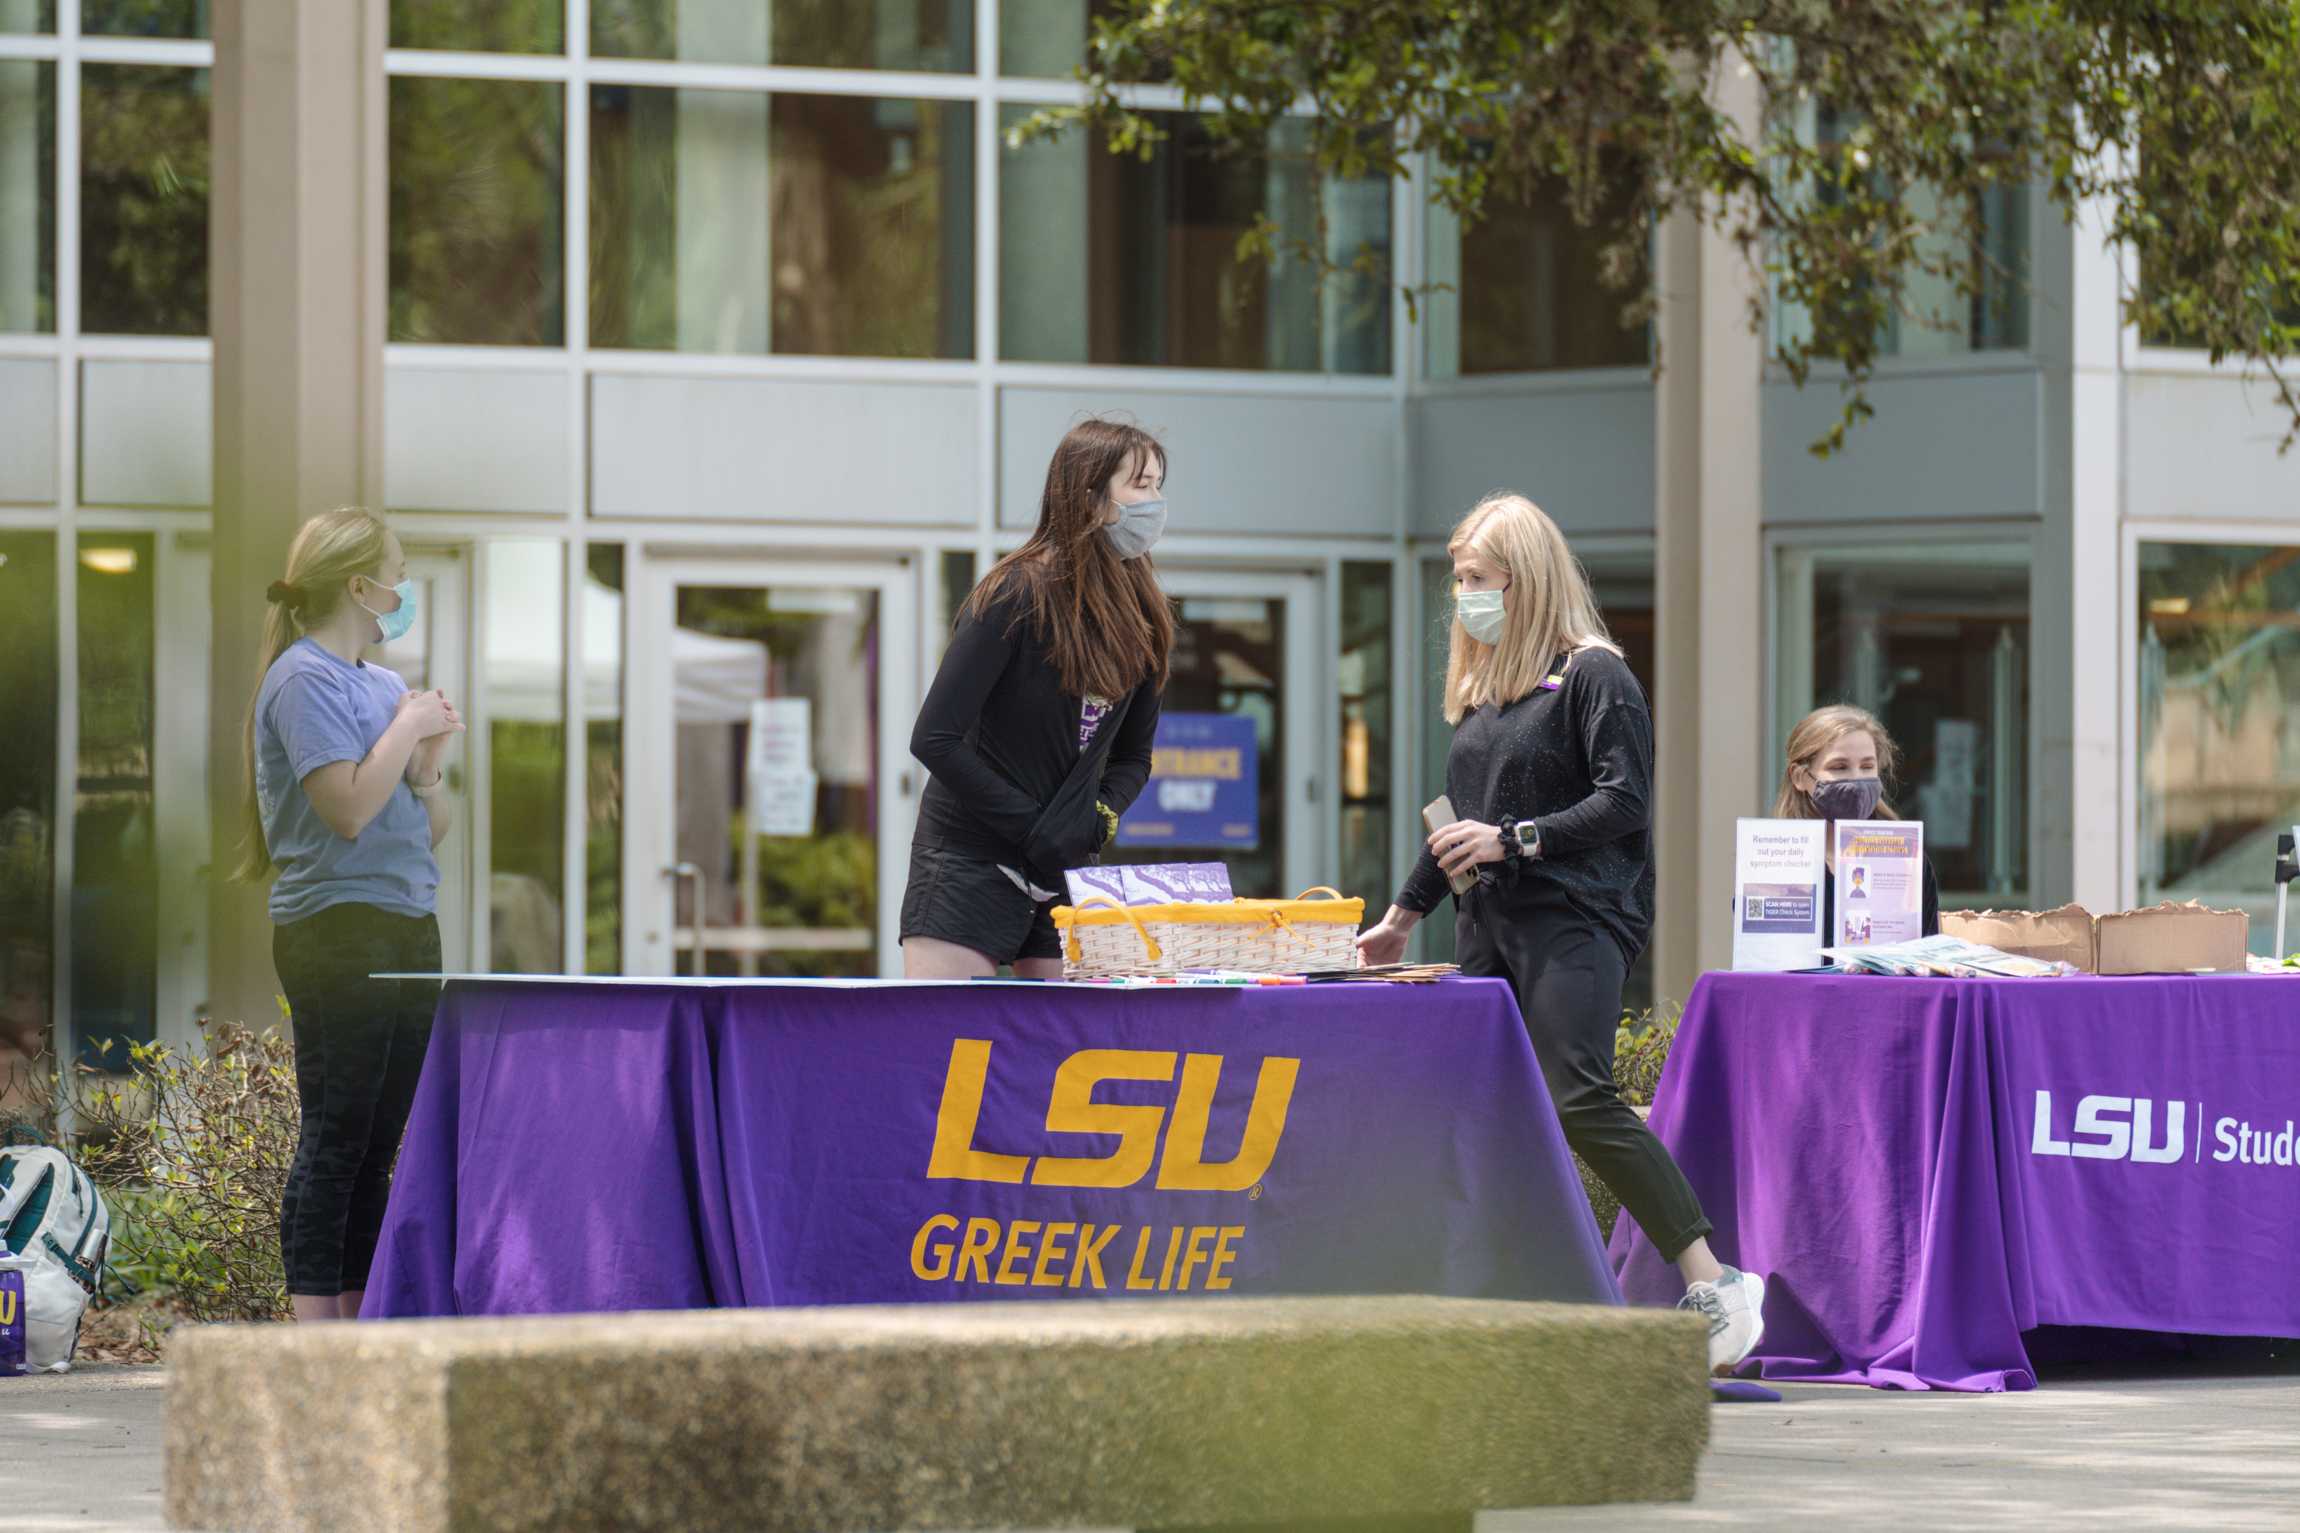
[872, 1420]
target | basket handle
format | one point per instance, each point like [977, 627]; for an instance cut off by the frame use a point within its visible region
[1328, 892]
[1149, 943]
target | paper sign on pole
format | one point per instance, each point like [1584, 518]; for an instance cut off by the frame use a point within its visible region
[1777, 868]
[779, 775]
[1880, 882]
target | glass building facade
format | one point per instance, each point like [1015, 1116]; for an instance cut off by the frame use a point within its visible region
[727, 343]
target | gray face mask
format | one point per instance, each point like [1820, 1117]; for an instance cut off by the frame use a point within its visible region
[1138, 528]
[1848, 798]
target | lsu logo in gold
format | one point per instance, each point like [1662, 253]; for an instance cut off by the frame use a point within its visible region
[1071, 1109]
[7, 1306]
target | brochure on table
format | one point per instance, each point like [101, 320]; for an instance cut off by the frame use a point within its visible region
[1151, 883]
[1880, 882]
[1777, 875]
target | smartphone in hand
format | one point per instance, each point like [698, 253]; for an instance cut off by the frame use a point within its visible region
[1436, 818]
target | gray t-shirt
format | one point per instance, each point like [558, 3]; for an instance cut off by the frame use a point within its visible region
[315, 709]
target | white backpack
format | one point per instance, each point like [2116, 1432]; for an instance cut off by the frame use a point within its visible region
[57, 1232]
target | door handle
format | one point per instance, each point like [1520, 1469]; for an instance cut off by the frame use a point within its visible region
[692, 876]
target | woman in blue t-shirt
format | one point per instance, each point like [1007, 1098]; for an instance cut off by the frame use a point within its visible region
[343, 805]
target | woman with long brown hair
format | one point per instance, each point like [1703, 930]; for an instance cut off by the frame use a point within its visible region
[1551, 770]
[343, 810]
[1037, 729]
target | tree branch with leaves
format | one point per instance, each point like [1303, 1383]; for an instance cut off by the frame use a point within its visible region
[2175, 127]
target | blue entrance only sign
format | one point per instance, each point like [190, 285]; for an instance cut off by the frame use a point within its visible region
[1204, 788]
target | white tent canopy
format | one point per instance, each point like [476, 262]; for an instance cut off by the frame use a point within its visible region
[717, 679]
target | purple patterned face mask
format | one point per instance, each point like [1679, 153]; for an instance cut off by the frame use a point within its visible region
[1848, 798]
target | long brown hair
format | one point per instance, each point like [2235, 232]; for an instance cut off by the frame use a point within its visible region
[328, 550]
[1812, 739]
[1104, 620]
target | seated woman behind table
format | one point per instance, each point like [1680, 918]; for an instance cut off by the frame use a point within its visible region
[1840, 759]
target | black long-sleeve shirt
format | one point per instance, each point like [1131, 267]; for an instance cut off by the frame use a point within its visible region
[1000, 736]
[1576, 761]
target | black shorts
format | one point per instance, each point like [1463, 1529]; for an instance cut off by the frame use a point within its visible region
[967, 901]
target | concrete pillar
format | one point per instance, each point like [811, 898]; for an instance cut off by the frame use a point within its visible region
[2077, 657]
[1709, 578]
[296, 278]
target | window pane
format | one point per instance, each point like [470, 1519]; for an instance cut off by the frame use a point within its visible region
[1157, 280]
[1935, 642]
[143, 200]
[1624, 589]
[957, 584]
[933, 35]
[115, 911]
[27, 197]
[1229, 660]
[813, 225]
[479, 26]
[27, 794]
[1932, 317]
[1527, 296]
[144, 18]
[476, 212]
[788, 856]
[1435, 934]
[525, 682]
[2219, 723]
[1046, 39]
[27, 15]
[1367, 710]
[2280, 300]
[603, 761]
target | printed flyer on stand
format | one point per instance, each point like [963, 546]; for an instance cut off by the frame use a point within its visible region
[1880, 882]
[1777, 894]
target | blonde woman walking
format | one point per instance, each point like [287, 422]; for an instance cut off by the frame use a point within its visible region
[1552, 770]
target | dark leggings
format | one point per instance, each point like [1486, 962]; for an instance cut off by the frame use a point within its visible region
[359, 1046]
[1568, 974]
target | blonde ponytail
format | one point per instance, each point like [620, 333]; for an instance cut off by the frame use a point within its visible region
[328, 550]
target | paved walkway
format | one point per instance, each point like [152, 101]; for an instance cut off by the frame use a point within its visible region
[82, 1451]
[2132, 1453]
[2164, 1449]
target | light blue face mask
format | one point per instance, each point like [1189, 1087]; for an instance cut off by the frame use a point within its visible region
[1482, 614]
[399, 619]
[1138, 528]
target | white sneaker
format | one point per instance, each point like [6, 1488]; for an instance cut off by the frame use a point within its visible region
[1735, 1306]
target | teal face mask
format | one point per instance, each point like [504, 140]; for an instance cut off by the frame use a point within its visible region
[400, 619]
[1482, 614]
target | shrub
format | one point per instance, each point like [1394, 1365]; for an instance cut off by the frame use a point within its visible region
[196, 1149]
[1641, 1049]
[189, 1150]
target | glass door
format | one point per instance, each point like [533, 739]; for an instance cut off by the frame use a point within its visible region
[768, 791]
[1241, 736]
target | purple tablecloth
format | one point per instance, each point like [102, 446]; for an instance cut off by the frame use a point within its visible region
[1924, 1169]
[583, 1147]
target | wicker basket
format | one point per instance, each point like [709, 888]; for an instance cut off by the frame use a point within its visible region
[1103, 939]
